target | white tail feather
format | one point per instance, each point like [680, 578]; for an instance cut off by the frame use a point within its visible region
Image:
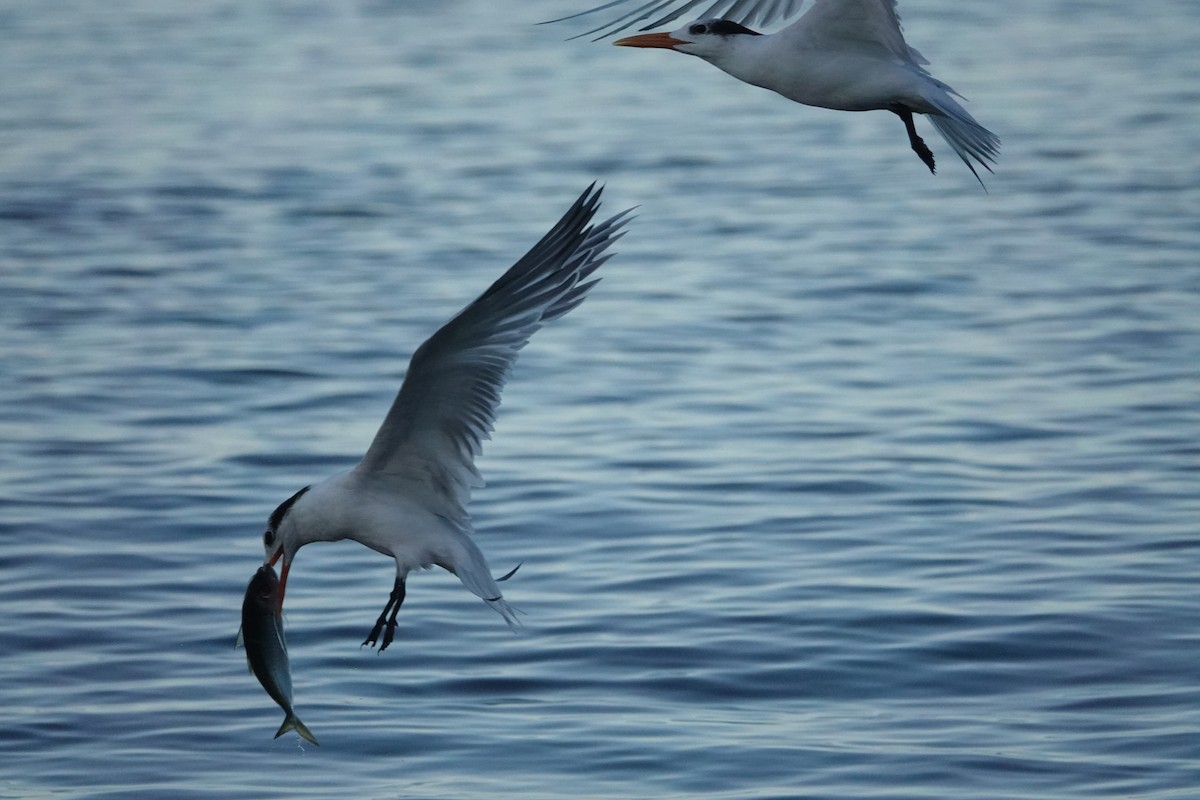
[966, 137]
[472, 569]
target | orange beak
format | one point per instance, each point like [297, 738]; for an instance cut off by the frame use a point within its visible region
[664, 40]
[282, 579]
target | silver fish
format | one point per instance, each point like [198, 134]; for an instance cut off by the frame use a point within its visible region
[266, 650]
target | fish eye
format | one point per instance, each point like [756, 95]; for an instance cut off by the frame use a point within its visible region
[697, 30]
[269, 538]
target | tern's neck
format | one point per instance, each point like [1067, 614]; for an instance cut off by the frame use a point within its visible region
[748, 58]
[322, 514]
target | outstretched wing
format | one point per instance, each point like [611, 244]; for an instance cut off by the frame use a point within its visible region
[447, 404]
[660, 12]
[865, 24]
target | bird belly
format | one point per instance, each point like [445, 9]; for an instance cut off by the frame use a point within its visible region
[387, 519]
[845, 82]
[416, 538]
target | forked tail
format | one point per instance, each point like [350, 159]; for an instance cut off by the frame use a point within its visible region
[505, 610]
[964, 135]
[472, 569]
[292, 723]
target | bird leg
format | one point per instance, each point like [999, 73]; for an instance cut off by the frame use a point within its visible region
[918, 144]
[393, 605]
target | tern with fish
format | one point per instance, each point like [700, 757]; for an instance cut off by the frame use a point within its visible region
[407, 498]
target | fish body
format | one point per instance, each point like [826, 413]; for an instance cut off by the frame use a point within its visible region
[266, 650]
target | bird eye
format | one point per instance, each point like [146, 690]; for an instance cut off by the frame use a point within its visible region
[697, 30]
[269, 538]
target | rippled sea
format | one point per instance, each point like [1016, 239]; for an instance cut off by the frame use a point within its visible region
[848, 481]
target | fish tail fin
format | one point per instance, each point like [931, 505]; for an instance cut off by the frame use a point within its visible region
[292, 723]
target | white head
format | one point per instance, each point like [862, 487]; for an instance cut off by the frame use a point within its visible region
[714, 39]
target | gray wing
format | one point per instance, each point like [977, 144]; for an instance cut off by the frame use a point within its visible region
[660, 12]
[873, 24]
[447, 404]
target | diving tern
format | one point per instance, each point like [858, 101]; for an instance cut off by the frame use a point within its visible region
[408, 497]
[847, 55]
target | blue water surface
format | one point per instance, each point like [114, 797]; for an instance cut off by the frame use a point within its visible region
[848, 481]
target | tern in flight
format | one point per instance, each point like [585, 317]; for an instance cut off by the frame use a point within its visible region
[848, 55]
[407, 498]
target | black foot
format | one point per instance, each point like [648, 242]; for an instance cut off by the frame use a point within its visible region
[389, 633]
[374, 634]
[918, 144]
[387, 622]
[919, 147]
